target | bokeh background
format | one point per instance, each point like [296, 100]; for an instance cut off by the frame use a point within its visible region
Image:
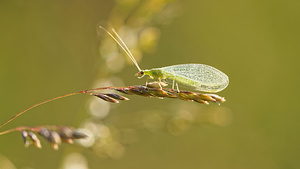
[50, 48]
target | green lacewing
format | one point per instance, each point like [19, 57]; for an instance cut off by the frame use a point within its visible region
[199, 77]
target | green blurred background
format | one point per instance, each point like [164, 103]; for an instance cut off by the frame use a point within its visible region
[50, 48]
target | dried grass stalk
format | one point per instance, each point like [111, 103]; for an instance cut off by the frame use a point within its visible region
[154, 90]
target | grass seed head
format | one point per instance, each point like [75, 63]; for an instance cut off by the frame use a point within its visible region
[25, 138]
[78, 135]
[35, 140]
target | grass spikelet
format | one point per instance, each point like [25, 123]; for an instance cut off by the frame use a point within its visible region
[161, 93]
[78, 135]
[35, 140]
[25, 138]
[186, 95]
[122, 90]
[116, 96]
[217, 98]
[105, 97]
[139, 90]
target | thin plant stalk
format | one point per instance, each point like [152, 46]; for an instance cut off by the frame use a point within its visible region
[43, 102]
[38, 104]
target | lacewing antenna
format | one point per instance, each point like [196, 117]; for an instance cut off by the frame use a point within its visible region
[122, 45]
